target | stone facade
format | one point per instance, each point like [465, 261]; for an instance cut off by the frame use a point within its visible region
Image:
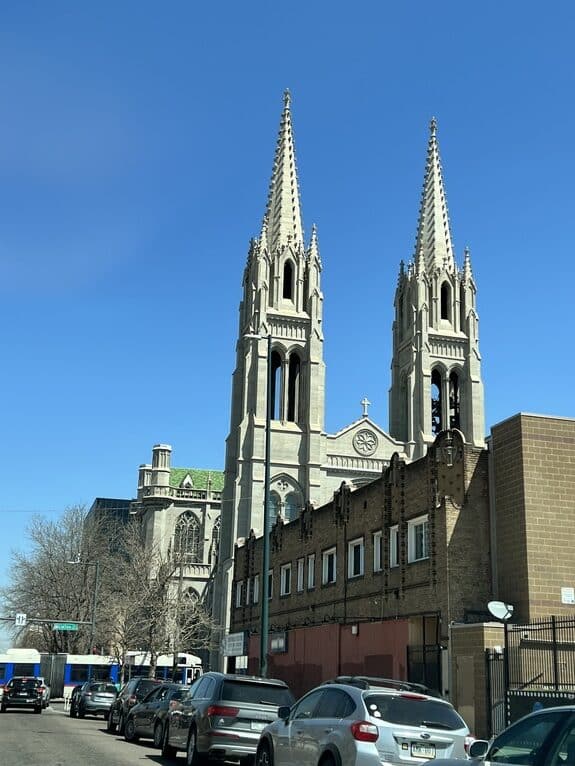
[436, 376]
[180, 512]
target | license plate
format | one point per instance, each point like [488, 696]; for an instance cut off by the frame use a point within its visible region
[258, 725]
[422, 751]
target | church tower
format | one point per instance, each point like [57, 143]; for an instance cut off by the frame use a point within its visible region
[436, 366]
[282, 301]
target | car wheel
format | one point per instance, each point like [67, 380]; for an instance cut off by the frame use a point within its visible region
[130, 731]
[38, 710]
[110, 725]
[72, 711]
[168, 751]
[81, 712]
[2, 708]
[327, 760]
[193, 758]
[158, 735]
[121, 724]
[264, 755]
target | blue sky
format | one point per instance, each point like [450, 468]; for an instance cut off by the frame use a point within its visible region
[136, 146]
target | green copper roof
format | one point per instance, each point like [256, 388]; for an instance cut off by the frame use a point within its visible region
[201, 478]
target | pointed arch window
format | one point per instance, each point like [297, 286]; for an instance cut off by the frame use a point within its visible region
[294, 378]
[454, 418]
[288, 281]
[445, 301]
[462, 311]
[436, 403]
[188, 539]
[275, 506]
[291, 506]
[276, 392]
[215, 545]
[400, 319]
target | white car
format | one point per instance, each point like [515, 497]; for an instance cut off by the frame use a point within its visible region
[46, 692]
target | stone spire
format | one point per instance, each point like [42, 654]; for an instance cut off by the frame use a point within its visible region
[433, 235]
[283, 211]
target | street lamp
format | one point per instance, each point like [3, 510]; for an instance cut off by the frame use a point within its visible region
[264, 627]
[94, 597]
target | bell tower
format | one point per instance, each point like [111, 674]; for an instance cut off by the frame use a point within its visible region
[436, 366]
[281, 301]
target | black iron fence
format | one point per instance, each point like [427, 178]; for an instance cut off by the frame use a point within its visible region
[424, 665]
[536, 668]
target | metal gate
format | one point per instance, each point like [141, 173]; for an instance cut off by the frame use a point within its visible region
[496, 700]
[424, 665]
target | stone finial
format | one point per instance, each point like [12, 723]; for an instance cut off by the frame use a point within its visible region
[433, 127]
[287, 98]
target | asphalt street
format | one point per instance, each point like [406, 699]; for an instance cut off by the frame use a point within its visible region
[55, 739]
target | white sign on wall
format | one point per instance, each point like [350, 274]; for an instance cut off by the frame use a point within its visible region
[233, 645]
[568, 595]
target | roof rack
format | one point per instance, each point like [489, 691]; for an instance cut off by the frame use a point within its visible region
[367, 682]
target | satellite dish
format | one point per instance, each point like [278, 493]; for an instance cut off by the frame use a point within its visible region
[500, 610]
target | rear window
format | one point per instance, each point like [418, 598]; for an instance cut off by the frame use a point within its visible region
[146, 686]
[103, 688]
[242, 691]
[413, 712]
[23, 683]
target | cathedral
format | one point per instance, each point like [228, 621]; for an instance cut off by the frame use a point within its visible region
[435, 368]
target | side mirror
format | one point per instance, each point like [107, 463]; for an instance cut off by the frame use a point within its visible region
[479, 748]
[283, 712]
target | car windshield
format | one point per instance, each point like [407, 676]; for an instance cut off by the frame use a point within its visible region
[413, 711]
[180, 694]
[248, 691]
[107, 688]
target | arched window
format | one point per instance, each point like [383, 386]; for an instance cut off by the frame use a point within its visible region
[275, 506]
[291, 507]
[454, 419]
[288, 281]
[293, 388]
[404, 407]
[462, 311]
[400, 316]
[215, 546]
[445, 301]
[276, 392]
[436, 403]
[188, 539]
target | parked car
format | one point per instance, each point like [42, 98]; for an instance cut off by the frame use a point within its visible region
[23, 691]
[46, 693]
[366, 722]
[543, 738]
[92, 698]
[146, 719]
[222, 717]
[130, 694]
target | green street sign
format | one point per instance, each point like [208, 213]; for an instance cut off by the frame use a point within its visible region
[65, 626]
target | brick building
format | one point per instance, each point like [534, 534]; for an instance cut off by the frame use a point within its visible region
[393, 579]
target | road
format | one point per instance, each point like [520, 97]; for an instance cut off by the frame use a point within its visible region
[55, 739]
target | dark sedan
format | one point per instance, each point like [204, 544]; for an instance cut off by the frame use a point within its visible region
[543, 738]
[23, 691]
[146, 719]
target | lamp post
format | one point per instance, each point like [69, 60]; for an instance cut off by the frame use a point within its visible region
[264, 626]
[94, 597]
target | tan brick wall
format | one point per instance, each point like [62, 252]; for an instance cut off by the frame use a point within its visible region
[534, 461]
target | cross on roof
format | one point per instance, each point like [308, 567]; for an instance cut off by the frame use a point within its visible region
[365, 404]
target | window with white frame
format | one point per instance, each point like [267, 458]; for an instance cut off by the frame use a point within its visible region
[377, 551]
[239, 593]
[328, 566]
[285, 580]
[417, 543]
[300, 568]
[256, 590]
[270, 583]
[394, 546]
[311, 571]
[355, 557]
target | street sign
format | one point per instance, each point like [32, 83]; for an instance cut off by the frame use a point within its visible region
[233, 644]
[65, 626]
[20, 620]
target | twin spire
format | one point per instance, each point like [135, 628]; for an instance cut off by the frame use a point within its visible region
[433, 246]
[282, 222]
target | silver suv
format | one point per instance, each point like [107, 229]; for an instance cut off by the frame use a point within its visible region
[363, 721]
[223, 716]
